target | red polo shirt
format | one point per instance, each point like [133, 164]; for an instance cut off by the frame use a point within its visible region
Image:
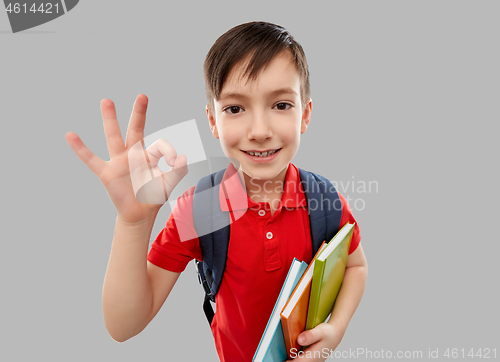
[261, 250]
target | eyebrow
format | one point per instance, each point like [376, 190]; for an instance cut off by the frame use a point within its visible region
[275, 92]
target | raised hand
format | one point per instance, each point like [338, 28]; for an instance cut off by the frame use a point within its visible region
[135, 184]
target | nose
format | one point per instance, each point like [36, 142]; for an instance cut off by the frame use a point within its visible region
[260, 128]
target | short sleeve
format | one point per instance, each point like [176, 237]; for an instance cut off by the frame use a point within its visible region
[347, 216]
[177, 243]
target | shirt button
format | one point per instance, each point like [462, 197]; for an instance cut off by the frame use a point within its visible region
[262, 212]
[269, 235]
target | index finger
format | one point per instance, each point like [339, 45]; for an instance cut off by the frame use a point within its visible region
[111, 128]
[135, 130]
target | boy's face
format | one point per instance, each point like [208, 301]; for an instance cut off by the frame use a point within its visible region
[263, 116]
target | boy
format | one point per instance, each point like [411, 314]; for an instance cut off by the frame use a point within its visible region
[258, 106]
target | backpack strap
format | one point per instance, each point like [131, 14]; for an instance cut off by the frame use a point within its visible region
[212, 227]
[324, 207]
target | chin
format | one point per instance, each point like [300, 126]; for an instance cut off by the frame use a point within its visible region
[263, 174]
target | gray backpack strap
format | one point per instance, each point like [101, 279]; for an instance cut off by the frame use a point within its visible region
[324, 207]
[212, 226]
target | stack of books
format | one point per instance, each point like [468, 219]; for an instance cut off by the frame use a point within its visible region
[306, 298]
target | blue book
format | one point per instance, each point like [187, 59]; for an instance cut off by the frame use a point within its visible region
[272, 346]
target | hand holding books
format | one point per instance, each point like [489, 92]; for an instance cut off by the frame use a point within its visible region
[312, 298]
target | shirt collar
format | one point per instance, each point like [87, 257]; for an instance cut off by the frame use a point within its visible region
[293, 195]
[232, 195]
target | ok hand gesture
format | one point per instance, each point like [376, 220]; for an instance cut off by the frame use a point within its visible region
[135, 184]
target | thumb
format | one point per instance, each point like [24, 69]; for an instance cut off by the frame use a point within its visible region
[309, 337]
[176, 173]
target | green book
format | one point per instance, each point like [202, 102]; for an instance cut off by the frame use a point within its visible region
[328, 275]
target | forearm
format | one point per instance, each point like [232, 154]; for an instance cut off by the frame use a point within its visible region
[349, 296]
[127, 294]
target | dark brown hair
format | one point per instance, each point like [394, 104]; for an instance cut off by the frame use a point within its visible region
[263, 41]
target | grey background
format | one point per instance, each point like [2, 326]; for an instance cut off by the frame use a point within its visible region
[405, 94]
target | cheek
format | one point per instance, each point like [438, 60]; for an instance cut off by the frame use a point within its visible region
[293, 139]
[228, 137]
[292, 134]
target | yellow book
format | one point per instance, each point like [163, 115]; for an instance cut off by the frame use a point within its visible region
[328, 275]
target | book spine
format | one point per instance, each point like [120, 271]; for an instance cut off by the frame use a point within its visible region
[317, 280]
[286, 334]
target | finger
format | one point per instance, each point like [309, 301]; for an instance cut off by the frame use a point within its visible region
[161, 148]
[139, 166]
[111, 128]
[175, 175]
[135, 131]
[309, 337]
[180, 162]
[93, 162]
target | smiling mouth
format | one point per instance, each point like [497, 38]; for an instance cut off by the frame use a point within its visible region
[262, 154]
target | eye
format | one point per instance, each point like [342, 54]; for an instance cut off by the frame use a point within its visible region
[283, 106]
[233, 109]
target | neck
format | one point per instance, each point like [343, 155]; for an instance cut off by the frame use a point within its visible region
[268, 190]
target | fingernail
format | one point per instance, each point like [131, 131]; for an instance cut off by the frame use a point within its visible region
[301, 340]
[171, 162]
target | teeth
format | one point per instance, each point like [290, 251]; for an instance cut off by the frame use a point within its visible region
[261, 154]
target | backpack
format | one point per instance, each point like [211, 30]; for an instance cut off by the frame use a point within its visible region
[324, 220]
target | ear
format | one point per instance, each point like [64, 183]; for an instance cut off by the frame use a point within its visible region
[306, 116]
[211, 121]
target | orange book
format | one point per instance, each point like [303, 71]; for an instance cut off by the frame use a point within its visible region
[294, 313]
